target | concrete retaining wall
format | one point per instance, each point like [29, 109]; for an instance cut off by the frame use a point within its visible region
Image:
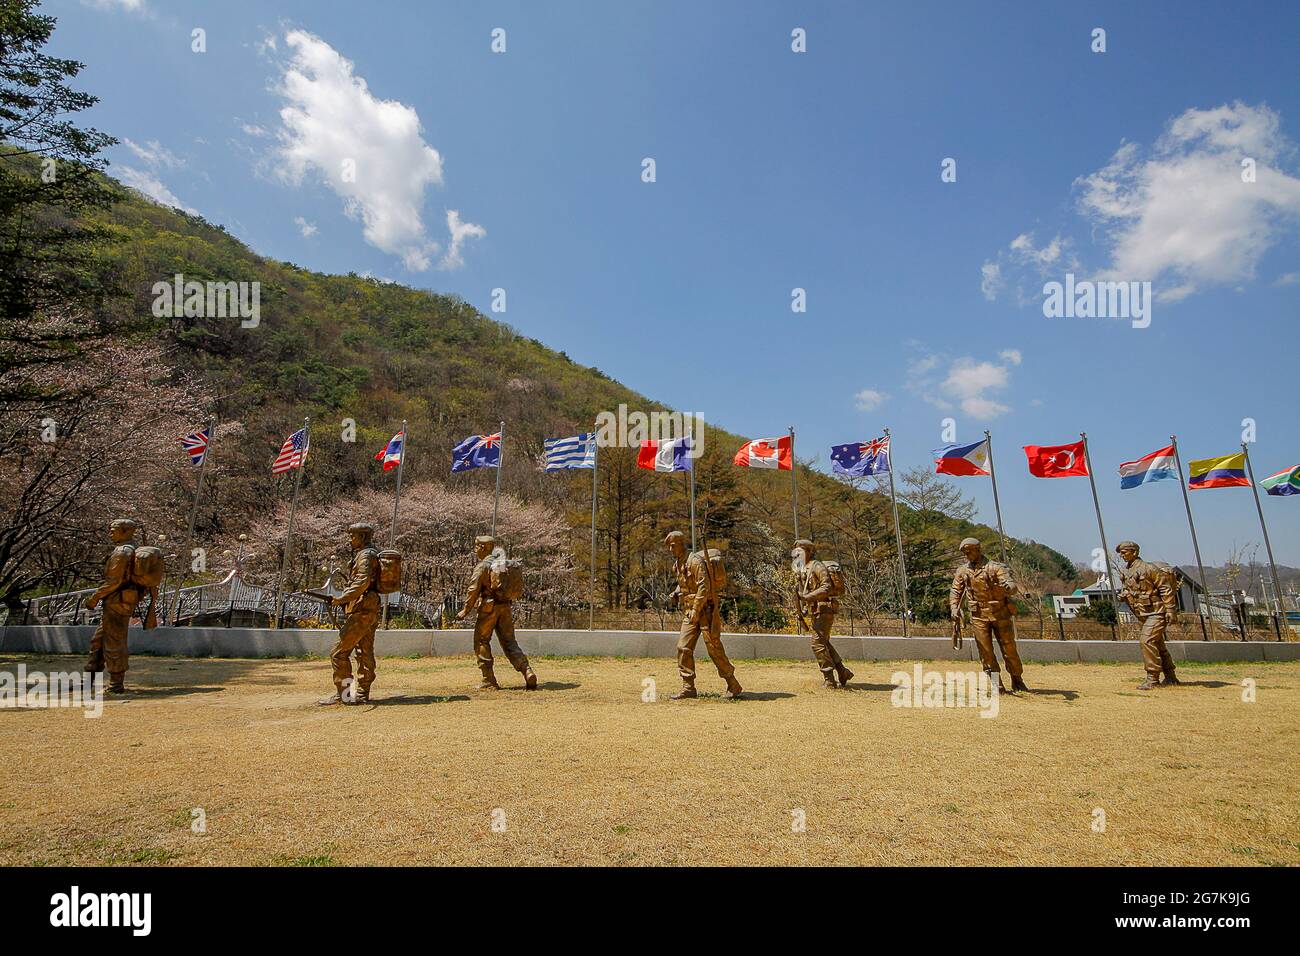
[262, 642]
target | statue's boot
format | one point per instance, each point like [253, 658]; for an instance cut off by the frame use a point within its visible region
[829, 683]
[1018, 683]
[117, 683]
[995, 677]
[734, 689]
[846, 675]
[530, 679]
[1148, 684]
[686, 693]
[1170, 678]
[489, 681]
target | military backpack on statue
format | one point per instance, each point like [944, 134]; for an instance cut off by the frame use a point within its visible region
[834, 578]
[507, 580]
[146, 567]
[389, 579]
[716, 570]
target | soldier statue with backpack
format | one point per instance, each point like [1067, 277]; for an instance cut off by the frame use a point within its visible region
[700, 579]
[820, 584]
[372, 573]
[130, 574]
[495, 583]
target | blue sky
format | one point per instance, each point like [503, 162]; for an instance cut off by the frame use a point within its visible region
[778, 170]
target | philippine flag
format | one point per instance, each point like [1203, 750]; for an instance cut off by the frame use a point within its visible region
[1153, 467]
[962, 460]
[672, 455]
[391, 456]
[766, 453]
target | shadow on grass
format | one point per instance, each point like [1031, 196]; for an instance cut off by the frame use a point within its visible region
[419, 699]
[1052, 692]
[860, 686]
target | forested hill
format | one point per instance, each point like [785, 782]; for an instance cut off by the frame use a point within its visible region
[342, 348]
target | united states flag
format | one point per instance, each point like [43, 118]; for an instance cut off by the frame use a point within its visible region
[293, 453]
[196, 445]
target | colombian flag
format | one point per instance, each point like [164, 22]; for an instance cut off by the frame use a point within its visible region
[1227, 471]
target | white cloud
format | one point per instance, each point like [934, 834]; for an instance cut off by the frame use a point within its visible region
[1289, 278]
[308, 229]
[869, 399]
[1182, 213]
[252, 129]
[972, 385]
[459, 232]
[1177, 214]
[367, 150]
[149, 184]
[154, 154]
[131, 6]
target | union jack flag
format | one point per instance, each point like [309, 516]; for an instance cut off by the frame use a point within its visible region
[196, 445]
[477, 451]
[293, 453]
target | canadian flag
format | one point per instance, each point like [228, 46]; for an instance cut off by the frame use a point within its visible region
[766, 453]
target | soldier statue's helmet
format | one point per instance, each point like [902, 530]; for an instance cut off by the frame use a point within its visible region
[967, 542]
[808, 547]
[672, 536]
[485, 539]
[1128, 545]
[363, 528]
[124, 524]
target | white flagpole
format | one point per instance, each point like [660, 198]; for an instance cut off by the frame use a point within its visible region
[1101, 528]
[997, 505]
[595, 461]
[1277, 585]
[1196, 547]
[501, 462]
[293, 512]
[794, 484]
[898, 537]
[194, 517]
[397, 497]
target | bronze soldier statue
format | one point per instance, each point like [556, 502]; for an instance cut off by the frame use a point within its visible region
[487, 592]
[991, 593]
[360, 603]
[122, 591]
[697, 592]
[819, 594]
[1149, 591]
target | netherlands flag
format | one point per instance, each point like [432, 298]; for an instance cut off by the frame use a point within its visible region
[672, 455]
[1158, 465]
[391, 456]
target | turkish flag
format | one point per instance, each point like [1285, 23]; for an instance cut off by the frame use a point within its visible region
[1057, 461]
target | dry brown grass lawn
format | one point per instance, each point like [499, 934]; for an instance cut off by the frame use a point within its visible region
[587, 773]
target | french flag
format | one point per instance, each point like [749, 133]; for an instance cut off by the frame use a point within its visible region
[391, 456]
[672, 455]
[963, 460]
[1153, 467]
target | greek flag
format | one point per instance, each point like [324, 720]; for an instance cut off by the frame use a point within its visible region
[577, 451]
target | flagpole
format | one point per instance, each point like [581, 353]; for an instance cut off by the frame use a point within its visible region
[293, 512]
[595, 461]
[1196, 547]
[1277, 586]
[1101, 528]
[898, 535]
[501, 461]
[997, 505]
[397, 497]
[194, 516]
[691, 484]
[794, 484]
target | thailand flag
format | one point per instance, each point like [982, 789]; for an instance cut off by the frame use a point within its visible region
[766, 453]
[672, 455]
[962, 459]
[391, 456]
[1153, 467]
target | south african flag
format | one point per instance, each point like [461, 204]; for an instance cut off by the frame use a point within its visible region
[1285, 482]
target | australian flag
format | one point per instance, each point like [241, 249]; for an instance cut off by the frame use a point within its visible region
[477, 451]
[861, 458]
